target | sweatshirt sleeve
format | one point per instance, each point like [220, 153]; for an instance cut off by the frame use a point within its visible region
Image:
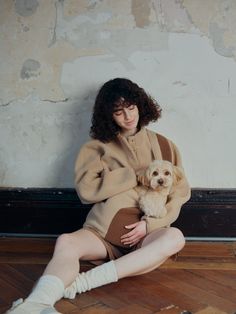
[179, 195]
[94, 181]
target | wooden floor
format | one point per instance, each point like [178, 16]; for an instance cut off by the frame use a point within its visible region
[202, 281]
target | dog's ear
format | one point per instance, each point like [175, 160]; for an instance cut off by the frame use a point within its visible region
[142, 177]
[178, 174]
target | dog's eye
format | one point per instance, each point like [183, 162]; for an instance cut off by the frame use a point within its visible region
[155, 173]
[167, 173]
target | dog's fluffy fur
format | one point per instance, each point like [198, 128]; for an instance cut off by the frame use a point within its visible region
[156, 183]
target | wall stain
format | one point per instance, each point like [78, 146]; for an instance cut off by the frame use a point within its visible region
[26, 7]
[30, 68]
[180, 83]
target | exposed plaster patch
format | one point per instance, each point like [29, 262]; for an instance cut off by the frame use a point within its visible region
[216, 20]
[217, 35]
[26, 7]
[172, 16]
[141, 12]
[30, 68]
[93, 33]
[75, 7]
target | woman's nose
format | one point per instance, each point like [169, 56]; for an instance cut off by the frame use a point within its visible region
[127, 114]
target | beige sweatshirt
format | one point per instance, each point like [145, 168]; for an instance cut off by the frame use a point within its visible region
[105, 174]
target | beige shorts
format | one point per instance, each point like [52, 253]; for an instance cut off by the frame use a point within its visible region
[114, 251]
[114, 247]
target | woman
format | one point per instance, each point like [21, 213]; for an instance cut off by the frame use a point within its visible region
[115, 232]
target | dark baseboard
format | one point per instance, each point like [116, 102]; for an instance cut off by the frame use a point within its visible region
[49, 212]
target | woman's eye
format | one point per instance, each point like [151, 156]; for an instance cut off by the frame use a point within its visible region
[155, 173]
[167, 173]
[131, 107]
[118, 113]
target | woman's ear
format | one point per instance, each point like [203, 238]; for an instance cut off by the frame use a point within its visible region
[178, 174]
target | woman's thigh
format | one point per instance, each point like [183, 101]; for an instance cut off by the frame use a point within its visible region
[170, 238]
[155, 235]
[84, 243]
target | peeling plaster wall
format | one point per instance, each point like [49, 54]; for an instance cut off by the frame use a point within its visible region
[55, 54]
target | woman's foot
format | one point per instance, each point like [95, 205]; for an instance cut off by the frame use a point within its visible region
[27, 307]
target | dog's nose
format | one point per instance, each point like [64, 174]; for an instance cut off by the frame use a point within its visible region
[160, 181]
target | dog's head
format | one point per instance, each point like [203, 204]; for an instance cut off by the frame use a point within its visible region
[161, 174]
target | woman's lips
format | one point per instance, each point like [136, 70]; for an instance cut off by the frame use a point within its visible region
[130, 122]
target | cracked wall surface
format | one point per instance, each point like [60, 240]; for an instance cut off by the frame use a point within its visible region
[55, 54]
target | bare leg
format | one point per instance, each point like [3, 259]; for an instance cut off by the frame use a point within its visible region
[60, 272]
[156, 248]
[69, 249]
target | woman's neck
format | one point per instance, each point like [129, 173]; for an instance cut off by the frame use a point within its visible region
[127, 133]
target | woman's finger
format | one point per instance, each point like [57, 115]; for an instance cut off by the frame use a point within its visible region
[132, 225]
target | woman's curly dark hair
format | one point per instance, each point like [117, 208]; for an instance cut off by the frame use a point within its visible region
[103, 126]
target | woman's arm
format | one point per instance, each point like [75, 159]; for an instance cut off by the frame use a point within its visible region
[94, 181]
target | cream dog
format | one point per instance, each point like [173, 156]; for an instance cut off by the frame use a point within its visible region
[156, 184]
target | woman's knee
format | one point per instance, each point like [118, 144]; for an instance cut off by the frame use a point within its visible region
[80, 244]
[175, 240]
[66, 244]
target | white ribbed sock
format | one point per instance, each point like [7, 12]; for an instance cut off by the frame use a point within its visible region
[48, 290]
[96, 277]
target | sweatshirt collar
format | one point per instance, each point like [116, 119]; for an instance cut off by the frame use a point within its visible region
[138, 135]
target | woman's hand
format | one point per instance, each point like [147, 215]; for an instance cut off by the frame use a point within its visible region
[139, 230]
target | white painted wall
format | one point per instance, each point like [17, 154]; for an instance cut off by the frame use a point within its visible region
[56, 54]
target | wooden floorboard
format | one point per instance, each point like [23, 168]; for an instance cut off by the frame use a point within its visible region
[201, 280]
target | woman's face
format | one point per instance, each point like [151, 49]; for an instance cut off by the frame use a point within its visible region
[127, 117]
